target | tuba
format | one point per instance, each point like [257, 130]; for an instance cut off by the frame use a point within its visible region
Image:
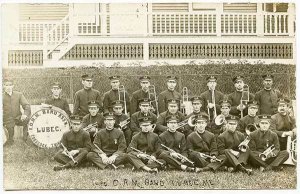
[153, 99]
[245, 97]
[292, 150]
[187, 107]
[122, 96]
[267, 153]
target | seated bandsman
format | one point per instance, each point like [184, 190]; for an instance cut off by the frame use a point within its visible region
[57, 100]
[173, 110]
[283, 124]
[174, 147]
[122, 120]
[235, 97]
[265, 148]
[76, 144]
[217, 126]
[197, 104]
[229, 144]
[247, 123]
[144, 148]
[170, 93]
[202, 146]
[109, 145]
[112, 95]
[141, 94]
[93, 121]
[144, 106]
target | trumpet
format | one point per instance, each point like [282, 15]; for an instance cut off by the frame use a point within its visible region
[292, 150]
[245, 97]
[267, 153]
[152, 95]
[124, 123]
[89, 127]
[219, 120]
[68, 154]
[187, 107]
[244, 144]
[121, 90]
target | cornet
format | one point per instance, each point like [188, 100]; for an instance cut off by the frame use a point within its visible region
[152, 96]
[124, 123]
[244, 144]
[245, 97]
[121, 90]
[267, 153]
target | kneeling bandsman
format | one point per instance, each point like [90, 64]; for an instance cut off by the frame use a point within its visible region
[229, 144]
[76, 144]
[109, 145]
[265, 148]
[174, 143]
[202, 146]
[144, 148]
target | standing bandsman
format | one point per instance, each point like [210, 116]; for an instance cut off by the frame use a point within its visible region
[228, 144]
[57, 100]
[83, 96]
[282, 123]
[12, 116]
[260, 141]
[202, 142]
[235, 98]
[76, 144]
[175, 141]
[170, 93]
[148, 144]
[144, 106]
[122, 120]
[251, 118]
[173, 109]
[141, 94]
[267, 98]
[207, 97]
[112, 95]
[93, 121]
[111, 143]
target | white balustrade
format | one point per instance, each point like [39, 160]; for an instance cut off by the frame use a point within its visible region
[276, 24]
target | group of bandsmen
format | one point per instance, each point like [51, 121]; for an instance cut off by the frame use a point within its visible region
[155, 135]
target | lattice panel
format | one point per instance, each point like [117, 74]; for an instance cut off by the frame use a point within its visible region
[217, 51]
[105, 51]
[25, 58]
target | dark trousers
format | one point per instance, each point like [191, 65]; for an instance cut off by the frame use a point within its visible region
[139, 163]
[96, 159]
[272, 162]
[201, 162]
[65, 160]
[235, 161]
[283, 143]
[11, 129]
[174, 162]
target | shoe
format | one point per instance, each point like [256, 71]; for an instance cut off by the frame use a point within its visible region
[153, 171]
[278, 168]
[223, 168]
[57, 168]
[189, 169]
[261, 169]
[268, 168]
[249, 171]
[121, 166]
[230, 169]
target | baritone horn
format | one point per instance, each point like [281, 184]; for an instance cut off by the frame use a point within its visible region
[292, 150]
[122, 96]
[153, 99]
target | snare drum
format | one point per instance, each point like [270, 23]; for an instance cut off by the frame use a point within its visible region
[47, 126]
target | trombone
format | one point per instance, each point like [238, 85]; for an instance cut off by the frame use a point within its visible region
[245, 97]
[121, 90]
[152, 95]
[186, 108]
[213, 99]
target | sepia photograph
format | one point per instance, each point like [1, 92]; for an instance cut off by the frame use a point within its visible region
[149, 95]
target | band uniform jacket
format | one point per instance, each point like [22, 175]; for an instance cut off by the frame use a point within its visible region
[110, 142]
[75, 140]
[134, 103]
[281, 123]
[175, 141]
[267, 100]
[204, 143]
[229, 140]
[134, 122]
[260, 141]
[60, 103]
[164, 96]
[246, 121]
[235, 100]
[112, 95]
[11, 108]
[89, 119]
[207, 96]
[82, 97]
[161, 124]
[148, 143]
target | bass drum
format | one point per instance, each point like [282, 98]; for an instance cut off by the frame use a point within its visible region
[47, 126]
[5, 135]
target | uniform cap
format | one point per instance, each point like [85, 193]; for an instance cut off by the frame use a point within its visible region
[145, 77]
[114, 77]
[93, 103]
[196, 99]
[144, 101]
[225, 103]
[231, 118]
[56, 85]
[238, 78]
[109, 115]
[173, 101]
[201, 117]
[171, 77]
[117, 103]
[75, 119]
[253, 103]
[144, 120]
[264, 117]
[211, 78]
[86, 77]
[283, 101]
[268, 77]
[172, 118]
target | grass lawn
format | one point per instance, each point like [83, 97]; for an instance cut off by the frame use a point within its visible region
[28, 167]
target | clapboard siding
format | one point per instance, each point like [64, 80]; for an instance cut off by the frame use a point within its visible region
[240, 7]
[170, 7]
[43, 11]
